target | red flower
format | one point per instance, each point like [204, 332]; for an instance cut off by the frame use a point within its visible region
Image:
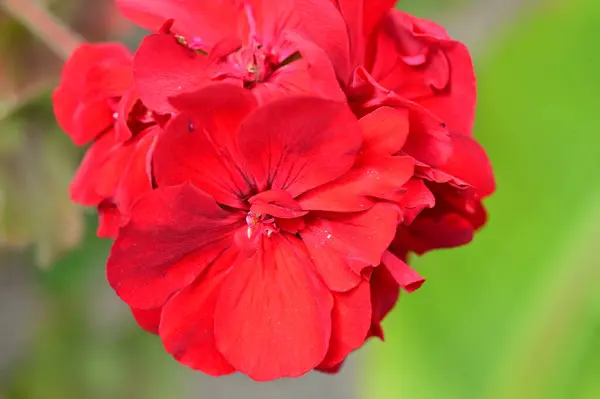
[261, 237]
[265, 46]
[96, 102]
[412, 64]
[93, 79]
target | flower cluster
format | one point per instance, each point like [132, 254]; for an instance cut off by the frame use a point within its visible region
[266, 167]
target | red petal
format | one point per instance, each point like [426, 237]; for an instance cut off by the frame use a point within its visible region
[331, 370]
[80, 105]
[273, 317]
[470, 165]
[408, 279]
[316, 20]
[341, 246]
[313, 74]
[148, 319]
[374, 10]
[384, 295]
[187, 327]
[351, 320]
[207, 20]
[416, 198]
[369, 180]
[109, 220]
[205, 144]
[173, 234]
[136, 179]
[300, 143]
[164, 68]
[85, 187]
[385, 131]
[276, 203]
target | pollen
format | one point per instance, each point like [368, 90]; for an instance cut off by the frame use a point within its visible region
[260, 225]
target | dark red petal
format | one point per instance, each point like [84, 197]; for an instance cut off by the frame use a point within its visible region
[173, 234]
[416, 198]
[203, 142]
[187, 328]
[164, 68]
[273, 317]
[428, 232]
[351, 320]
[207, 20]
[299, 143]
[109, 220]
[148, 319]
[384, 295]
[342, 245]
[331, 370]
[385, 131]
[408, 279]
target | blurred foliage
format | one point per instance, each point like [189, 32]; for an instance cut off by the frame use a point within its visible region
[517, 313]
[36, 164]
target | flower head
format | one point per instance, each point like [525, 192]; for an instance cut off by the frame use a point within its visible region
[260, 238]
[265, 46]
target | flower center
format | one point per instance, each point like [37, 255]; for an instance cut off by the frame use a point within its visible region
[260, 225]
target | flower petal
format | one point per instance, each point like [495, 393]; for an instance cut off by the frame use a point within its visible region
[385, 131]
[164, 68]
[316, 20]
[416, 198]
[351, 320]
[342, 245]
[136, 179]
[207, 20]
[204, 143]
[312, 74]
[408, 279]
[470, 166]
[385, 292]
[148, 319]
[187, 328]
[80, 105]
[299, 143]
[369, 180]
[109, 220]
[86, 185]
[173, 234]
[273, 317]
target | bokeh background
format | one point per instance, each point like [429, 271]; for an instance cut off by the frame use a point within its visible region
[515, 314]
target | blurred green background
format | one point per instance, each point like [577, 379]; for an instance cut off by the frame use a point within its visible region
[515, 314]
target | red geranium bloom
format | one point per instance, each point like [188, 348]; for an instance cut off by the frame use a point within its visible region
[256, 250]
[409, 63]
[96, 102]
[266, 46]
